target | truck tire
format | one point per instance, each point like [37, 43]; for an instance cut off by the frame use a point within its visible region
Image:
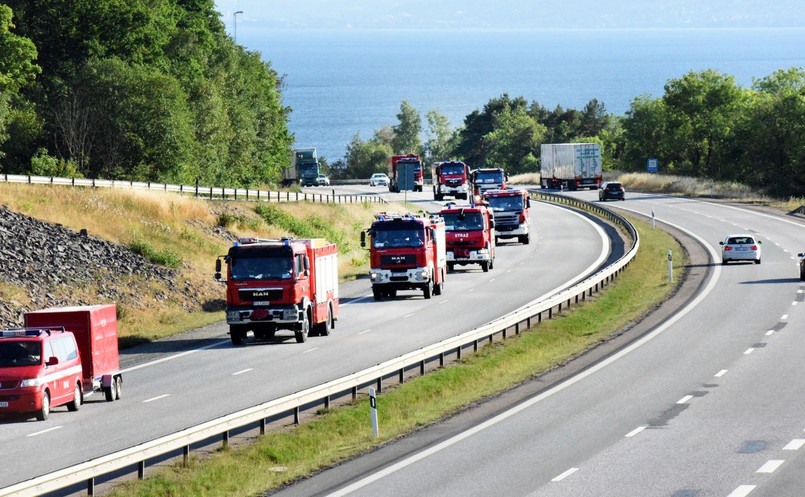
[426, 290]
[377, 293]
[451, 266]
[485, 266]
[237, 334]
[76, 403]
[326, 327]
[438, 288]
[302, 333]
[118, 387]
[111, 391]
[44, 411]
[524, 239]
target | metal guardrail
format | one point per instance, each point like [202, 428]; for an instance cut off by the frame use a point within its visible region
[533, 312]
[208, 192]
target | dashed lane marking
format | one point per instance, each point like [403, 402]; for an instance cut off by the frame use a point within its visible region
[685, 399]
[156, 398]
[44, 431]
[635, 431]
[742, 491]
[565, 474]
[242, 371]
[721, 373]
[771, 466]
[795, 444]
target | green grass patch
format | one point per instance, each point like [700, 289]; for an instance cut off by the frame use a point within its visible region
[166, 258]
[336, 434]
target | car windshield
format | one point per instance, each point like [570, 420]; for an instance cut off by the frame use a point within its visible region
[740, 240]
[489, 177]
[455, 221]
[261, 268]
[613, 186]
[397, 238]
[505, 203]
[452, 169]
[20, 353]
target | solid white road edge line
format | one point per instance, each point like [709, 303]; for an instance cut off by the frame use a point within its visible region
[552, 391]
[44, 431]
[565, 474]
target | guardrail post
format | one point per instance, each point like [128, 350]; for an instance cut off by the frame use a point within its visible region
[475, 345]
[91, 487]
[29, 179]
[354, 393]
[236, 193]
[504, 333]
[210, 193]
[550, 314]
[297, 196]
[402, 376]
[141, 470]
[422, 368]
[185, 455]
[225, 439]
[441, 360]
[379, 384]
[458, 353]
[296, 415]
[327, 402]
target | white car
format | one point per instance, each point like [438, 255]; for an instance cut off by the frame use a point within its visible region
[322, 180]
[379, 179]
[740, 247]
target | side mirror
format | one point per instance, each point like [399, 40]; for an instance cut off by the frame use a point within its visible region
[491, 224]
[363, 239]
[52, 361]
[721, 243]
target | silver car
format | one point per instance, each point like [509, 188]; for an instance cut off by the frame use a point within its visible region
[740, 247]
[379, 179]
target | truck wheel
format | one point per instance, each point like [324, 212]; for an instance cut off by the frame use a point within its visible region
[111, 391]
[524, 239]
[118, 387]
[302, 334]
[437, 288]
[492, 263]
[76, 403]
[327, 325]
[426, 290]
[44, 411]
[485, 266]
[237, 334]
[451, 266]
[377, 293]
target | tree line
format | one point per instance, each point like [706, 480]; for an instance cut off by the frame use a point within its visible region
[704, 125]
[135, 89]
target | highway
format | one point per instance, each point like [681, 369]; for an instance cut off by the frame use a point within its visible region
[163, 393]
[708, 403]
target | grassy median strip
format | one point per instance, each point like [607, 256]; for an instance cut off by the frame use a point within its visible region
[335, 434]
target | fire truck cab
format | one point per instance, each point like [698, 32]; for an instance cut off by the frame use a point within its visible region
[470, 232]
[512, 213]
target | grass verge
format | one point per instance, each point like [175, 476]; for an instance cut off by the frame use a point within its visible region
[335, 434]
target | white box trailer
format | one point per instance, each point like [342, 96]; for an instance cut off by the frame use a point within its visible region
[570, 165]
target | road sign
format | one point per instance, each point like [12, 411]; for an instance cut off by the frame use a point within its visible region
[652, 165]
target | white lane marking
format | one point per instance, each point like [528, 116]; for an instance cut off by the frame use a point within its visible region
[770, 333]
[800, 291]
[795, 444]
[794, 303]
[721, 373]
[44, 431]
[156, 398]
[770, 466]
[471, 290]
[243, 371]
[364, 331]
[749, 350]
[558, 388]
[357, 300]
[635, 431]
[783, 317]
[742, 491]
[170, 358]
[409, 315]
[310, 350]
[565, 474]
[491, 280]
[443, 302]
[685, 399]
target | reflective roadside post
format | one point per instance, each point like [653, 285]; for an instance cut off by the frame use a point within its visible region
[670, 267]
[373, 410]
[653, 224]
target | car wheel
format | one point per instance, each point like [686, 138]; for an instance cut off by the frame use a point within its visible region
[724, 262]
[757, 261]
[76, 403]
[44, 411]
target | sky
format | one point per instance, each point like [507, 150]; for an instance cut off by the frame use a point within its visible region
[511, 14]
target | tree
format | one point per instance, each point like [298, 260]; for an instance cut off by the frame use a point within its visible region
[406, 132]
[472, 146]
[439, 144]
[513, 143]
[366, 158]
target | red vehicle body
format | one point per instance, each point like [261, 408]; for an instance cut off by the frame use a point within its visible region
[450, 178]
[512, 213]
[396, 179]
[280, 284]
[71, 353]
[407, 252]
[493, 178]
[470, 232]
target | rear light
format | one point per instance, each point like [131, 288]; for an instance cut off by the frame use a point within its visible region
[753, 247]
[727, 247]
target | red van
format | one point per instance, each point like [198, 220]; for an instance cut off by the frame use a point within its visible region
[39, 369]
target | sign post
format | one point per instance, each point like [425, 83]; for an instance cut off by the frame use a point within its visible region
[373, 410]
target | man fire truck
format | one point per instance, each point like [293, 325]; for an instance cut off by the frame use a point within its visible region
[511, 208]
[450, 178]
[407, 252]
[280, 284]
[470, 236]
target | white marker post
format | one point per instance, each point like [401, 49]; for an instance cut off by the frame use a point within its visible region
[653, 224]
[670, 267]
[373, 410]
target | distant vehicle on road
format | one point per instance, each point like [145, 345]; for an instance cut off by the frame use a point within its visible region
[740, 247]
[322, 180]
[611, 190]
[379, 179]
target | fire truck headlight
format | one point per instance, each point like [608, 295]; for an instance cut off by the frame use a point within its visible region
[31, 382]
[483, 251]
[373, 276]
[424, 274]
[233, 316]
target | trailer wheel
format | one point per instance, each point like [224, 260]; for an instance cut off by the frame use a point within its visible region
[118, 387]
[76, 403]
[302, 333]
[44, 411]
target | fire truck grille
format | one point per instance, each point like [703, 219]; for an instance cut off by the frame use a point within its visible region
[8, 385]
[252, 294]
[507, 218]
[402, 260]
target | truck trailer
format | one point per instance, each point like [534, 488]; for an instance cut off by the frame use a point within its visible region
[570, 165]
[276, 284]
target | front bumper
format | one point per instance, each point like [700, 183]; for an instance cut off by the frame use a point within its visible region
[415, 276]
[264, 315]
[459, 255]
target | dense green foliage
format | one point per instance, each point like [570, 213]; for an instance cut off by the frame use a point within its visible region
[136, 89]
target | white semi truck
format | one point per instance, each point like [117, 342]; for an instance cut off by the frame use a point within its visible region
[570, 165]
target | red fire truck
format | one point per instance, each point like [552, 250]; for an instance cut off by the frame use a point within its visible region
[482, 180]
[63, 355]
[450, 178]
[407, 252]
[283, 283]
[405, 173]
[470, 236]
[511, 208]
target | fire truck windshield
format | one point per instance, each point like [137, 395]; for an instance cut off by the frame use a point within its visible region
[396, 238]
[455, 221]
[261, 268]
[506, 203]
[452, 169]
[20, 353]
[489, 177]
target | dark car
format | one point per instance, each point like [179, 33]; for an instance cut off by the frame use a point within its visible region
[611, 190]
